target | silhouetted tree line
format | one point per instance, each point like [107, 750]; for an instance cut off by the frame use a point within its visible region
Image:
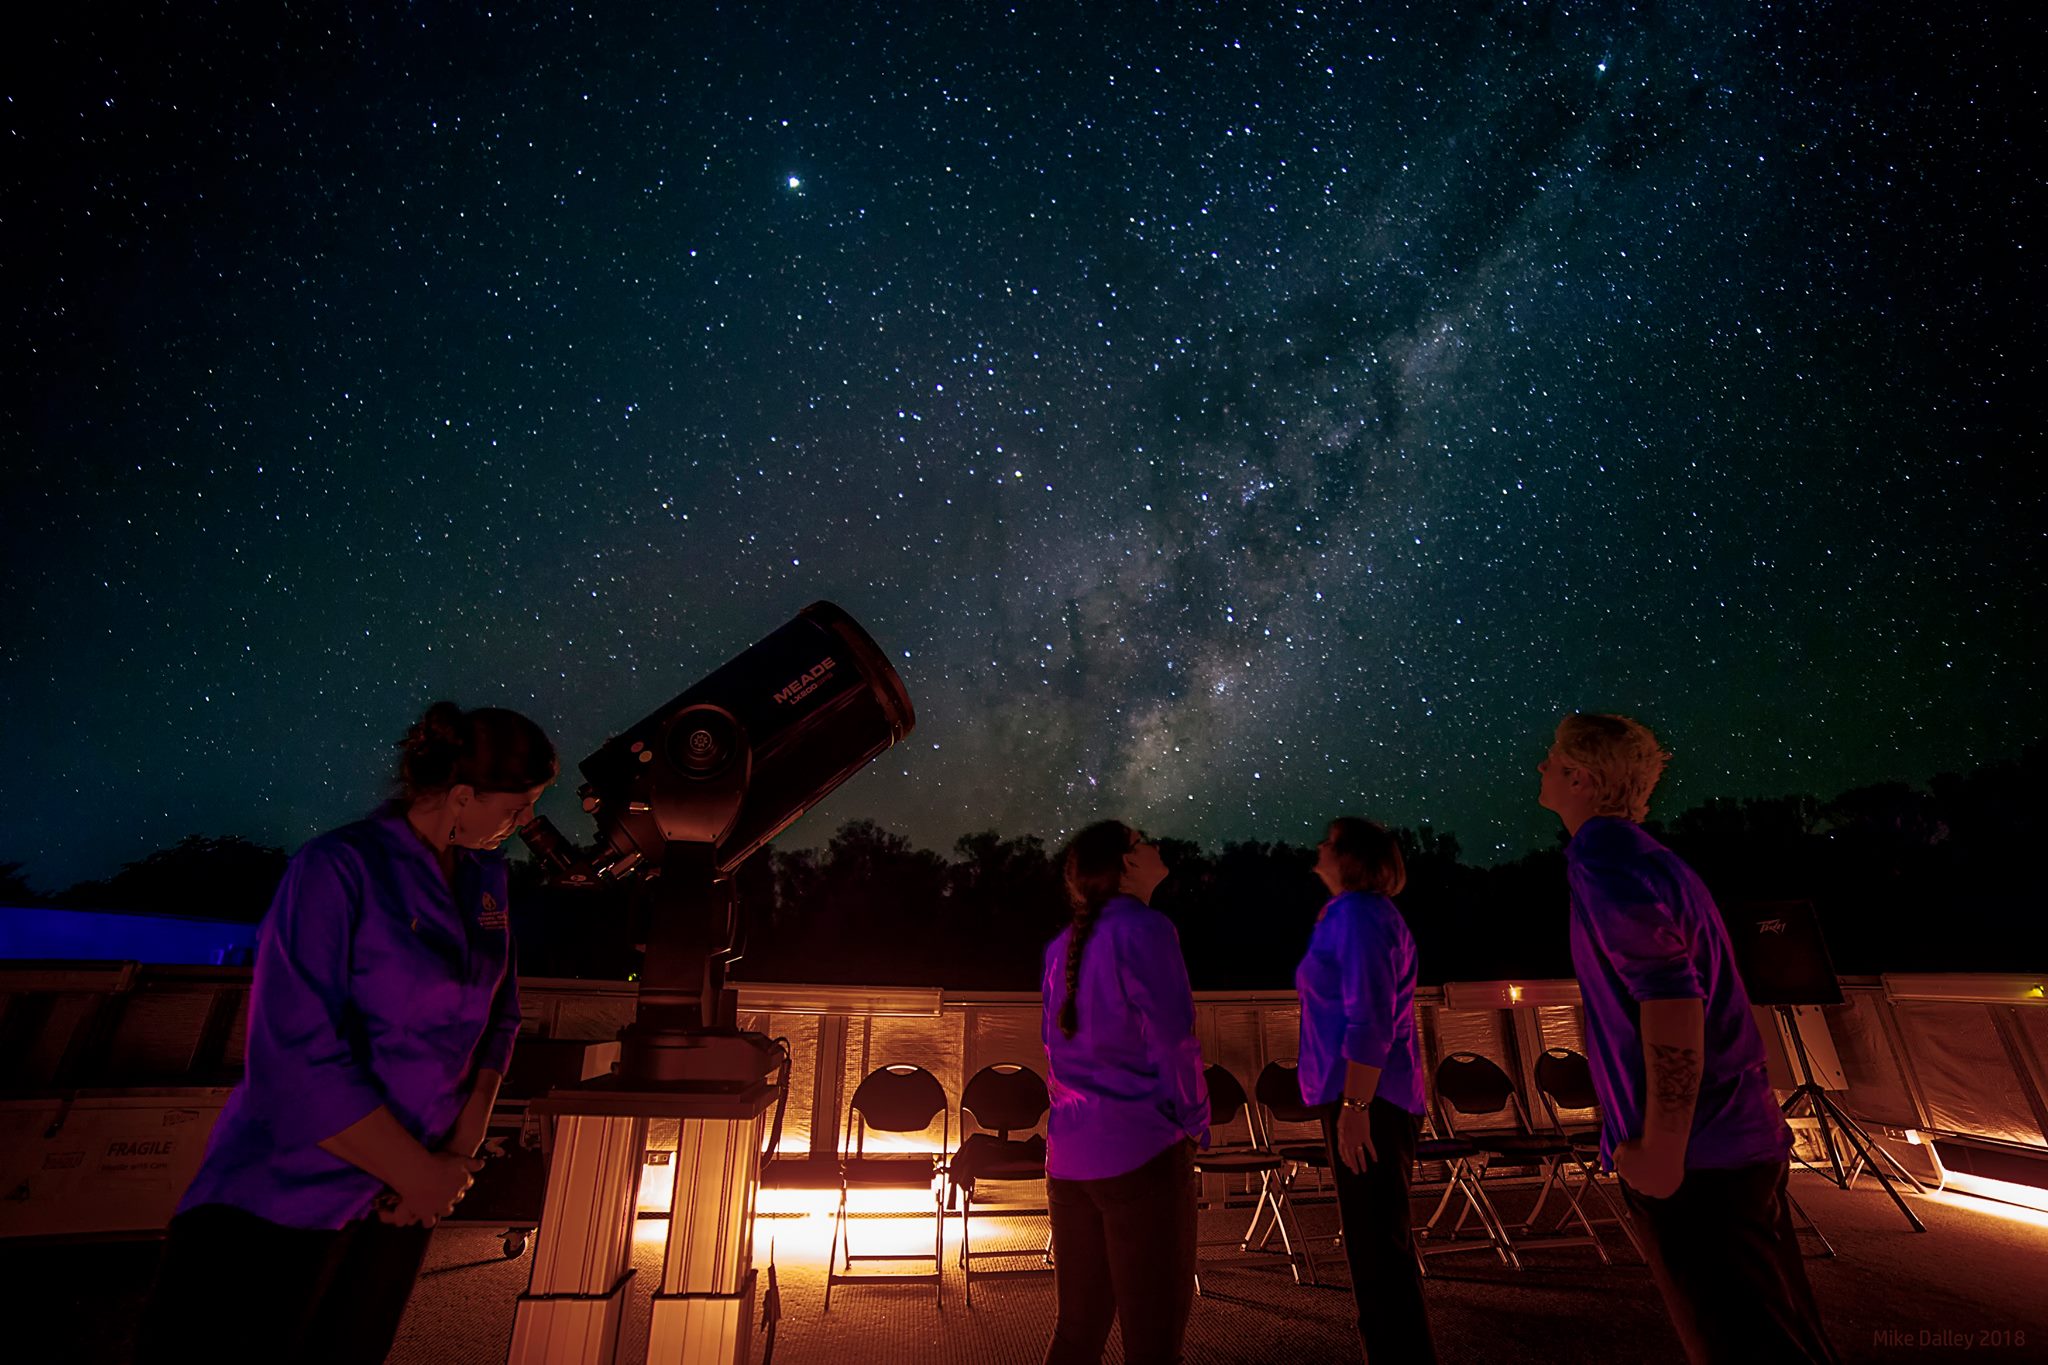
[1904, 879]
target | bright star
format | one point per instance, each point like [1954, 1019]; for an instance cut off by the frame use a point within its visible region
[795, 183]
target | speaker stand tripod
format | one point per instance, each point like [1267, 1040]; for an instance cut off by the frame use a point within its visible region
[1839, 1131]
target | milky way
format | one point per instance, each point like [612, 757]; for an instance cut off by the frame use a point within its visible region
[1223, 422]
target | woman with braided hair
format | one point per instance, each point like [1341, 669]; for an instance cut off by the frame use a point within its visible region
[381, 1020]
[1129, 1107]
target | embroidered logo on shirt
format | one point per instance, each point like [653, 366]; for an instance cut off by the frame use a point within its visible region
[492, 915]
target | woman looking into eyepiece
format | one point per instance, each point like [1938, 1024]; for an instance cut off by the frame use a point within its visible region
[381, 1021]
[1361, 1061]
[1129, 1107]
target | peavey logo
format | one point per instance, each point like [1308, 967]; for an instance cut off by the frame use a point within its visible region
[1771, 926]
[806, 682]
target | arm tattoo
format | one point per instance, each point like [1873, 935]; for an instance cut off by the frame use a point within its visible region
[1676, 1071]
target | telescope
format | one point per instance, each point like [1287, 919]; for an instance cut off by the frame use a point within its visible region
[688, 794]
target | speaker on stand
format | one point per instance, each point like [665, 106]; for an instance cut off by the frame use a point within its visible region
[1785, 964]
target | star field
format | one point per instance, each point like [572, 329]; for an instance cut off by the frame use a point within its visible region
[1224, 419]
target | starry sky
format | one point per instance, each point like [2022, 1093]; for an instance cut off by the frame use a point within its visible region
[1224, 416]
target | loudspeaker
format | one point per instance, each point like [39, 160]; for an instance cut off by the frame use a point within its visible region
[1781, 954]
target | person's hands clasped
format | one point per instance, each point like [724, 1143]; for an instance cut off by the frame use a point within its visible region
[1354, 1139]
[433, 1192]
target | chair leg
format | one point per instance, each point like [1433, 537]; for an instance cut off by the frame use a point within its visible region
[1589, 1177]
[1450, 1185]
[1259, 1207]
[939, 1250]
[1244, 1243]
[1577, 1210]
[1489, 1217]
[832, 1257]
[1283, 1207]
[1542, 1196]
[845, 1238]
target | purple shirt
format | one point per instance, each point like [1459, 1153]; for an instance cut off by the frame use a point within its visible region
[1645, 928]
[1357, 990]
[375, 985]
[1128, 1084]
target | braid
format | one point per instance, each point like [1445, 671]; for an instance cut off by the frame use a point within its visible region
[1094, 871]
[1077, 939]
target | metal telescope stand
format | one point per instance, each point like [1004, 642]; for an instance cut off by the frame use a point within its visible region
[1829, 1117]
[685, 1059]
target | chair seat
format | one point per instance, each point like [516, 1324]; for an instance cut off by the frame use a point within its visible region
[1303, 1153]
[1443, 1149]
[1529, 1146]
[890, 1172]
[984, 1156]
[801, 1173]
[1228, 1162]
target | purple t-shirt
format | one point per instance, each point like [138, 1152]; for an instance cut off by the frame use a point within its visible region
[1357, 989]
[375, 985]
[1128, 1084]
[1645, 928]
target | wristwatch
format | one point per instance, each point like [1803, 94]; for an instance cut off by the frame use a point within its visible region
[1350, 1103]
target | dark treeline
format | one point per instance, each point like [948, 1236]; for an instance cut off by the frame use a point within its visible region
[1904, 879]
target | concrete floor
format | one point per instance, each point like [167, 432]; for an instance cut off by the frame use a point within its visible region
[1977, 1279]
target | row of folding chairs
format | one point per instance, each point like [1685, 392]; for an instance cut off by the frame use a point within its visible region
[1002, 1100]
[1006, 1100]
[1469, 1091]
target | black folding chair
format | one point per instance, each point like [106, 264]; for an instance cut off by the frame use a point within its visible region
[1471, 1085]
[1249, 1158]
[1460, 1160]
[1278, 1091]
[1565, 1081]
[1002, 1099]
[893, 1099]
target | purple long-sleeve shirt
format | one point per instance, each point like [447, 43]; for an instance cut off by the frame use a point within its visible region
[1128, 1084]
[376, 984]
[1644, 927]
[1356, 984]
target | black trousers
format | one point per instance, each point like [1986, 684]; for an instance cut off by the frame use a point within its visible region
[235, 1287]
[1727, 1261]
[1379, 1238]
[1124, 1249]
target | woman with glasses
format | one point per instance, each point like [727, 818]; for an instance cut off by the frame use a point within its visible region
[1129, 1107]
[1361, 1062]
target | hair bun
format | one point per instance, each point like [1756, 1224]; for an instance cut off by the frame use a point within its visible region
[490, 749]
[439, 728]
[432, 747]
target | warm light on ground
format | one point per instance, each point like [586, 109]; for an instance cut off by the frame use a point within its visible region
[1996, 1198]
[798, 1223]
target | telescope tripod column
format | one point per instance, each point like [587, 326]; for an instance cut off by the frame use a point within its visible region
[583, 1252]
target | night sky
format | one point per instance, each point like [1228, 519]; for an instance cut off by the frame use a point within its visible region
[1223, 419]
